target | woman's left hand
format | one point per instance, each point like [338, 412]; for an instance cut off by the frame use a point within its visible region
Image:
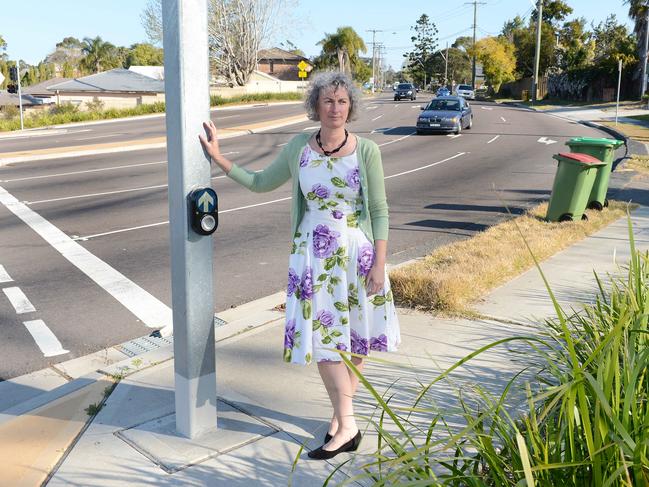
[375, 279]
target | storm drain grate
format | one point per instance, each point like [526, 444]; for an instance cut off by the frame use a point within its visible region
[155, 340]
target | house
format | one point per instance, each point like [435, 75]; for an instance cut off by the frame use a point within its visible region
[117, 88]
[41, 90]
[281, 64]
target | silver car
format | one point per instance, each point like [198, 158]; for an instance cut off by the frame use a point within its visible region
[465, 91]
[445, 114]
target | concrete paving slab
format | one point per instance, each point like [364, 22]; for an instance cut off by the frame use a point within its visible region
[34, 443]
[570, 274]
[25, 387]
[158, 440]
[80, 366]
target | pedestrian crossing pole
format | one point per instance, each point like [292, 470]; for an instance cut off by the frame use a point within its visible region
[187, 106]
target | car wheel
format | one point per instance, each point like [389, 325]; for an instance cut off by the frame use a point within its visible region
[468, 127]
[413, 98]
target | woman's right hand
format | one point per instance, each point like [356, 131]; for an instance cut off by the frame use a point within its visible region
[211, 142]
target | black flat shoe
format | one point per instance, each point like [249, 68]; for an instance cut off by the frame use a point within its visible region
[351, 445]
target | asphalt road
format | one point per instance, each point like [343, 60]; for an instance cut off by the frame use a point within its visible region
[109, 213]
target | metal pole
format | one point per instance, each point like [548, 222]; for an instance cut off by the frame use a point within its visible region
[187, 106]
[20, 97]
[446, 67]
[619, 81]
[475, 24]
[645, 52]
[537, 57]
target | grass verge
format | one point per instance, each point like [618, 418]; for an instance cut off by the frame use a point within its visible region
[634, 131]
[63, 115]
[638, 163]
[455, 275]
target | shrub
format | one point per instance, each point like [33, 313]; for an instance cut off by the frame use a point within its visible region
[64, 109]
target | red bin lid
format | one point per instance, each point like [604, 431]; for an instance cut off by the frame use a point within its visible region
[579, 157]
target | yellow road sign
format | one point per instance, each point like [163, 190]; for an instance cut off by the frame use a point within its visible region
[302, 66]
[301, 74]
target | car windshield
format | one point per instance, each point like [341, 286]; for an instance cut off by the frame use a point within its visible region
[464, 87]
[405, 86]
[444, 105]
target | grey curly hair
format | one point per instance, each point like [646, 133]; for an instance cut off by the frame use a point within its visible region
[324, 80]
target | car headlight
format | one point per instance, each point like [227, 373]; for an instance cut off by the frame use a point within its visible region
[410, 92]
[451, 119]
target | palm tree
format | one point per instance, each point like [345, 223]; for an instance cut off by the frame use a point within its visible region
[638, 11]
[344, 44]
[98, 54]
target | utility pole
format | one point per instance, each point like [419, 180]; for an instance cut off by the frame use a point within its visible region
[475, 4]
[187, 107]
[373, 31]
[645, 52]
[537, 57]
[445, 56]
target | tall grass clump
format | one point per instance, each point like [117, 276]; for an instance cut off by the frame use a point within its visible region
[583, 419]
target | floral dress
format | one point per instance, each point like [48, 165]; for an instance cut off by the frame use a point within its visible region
[327, 306]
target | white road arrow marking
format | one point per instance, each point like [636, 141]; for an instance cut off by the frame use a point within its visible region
[546, 141]
[206, 201]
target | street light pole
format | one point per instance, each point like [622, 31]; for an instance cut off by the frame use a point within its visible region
[537, 57]
[645, 53]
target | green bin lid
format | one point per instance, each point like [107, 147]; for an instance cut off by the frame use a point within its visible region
[581, 141]
[578, 158]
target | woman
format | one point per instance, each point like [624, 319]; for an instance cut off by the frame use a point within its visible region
[338, 295]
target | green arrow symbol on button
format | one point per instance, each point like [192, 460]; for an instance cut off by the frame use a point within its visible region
[205, 202]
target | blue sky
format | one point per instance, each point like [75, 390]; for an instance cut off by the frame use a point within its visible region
[31, 29]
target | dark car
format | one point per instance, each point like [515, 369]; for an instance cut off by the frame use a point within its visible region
[443, 91]
[445, 114]
[405, 90]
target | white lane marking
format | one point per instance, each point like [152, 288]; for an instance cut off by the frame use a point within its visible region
[396, 105]
[98, 137]
[489, 142]
[427, 166]
[373, 107]
[44, 338]
[81, 172]
[487, 108]
[453, 136]
[18, 300]
[152, 312]
[397, 140]
[310, 128]
[88, 237]
[4, 275]
[281, 145]
[503, 119]
[546, 141]
[376, 118]
[90, 195]
[416, 106]
[46, 133]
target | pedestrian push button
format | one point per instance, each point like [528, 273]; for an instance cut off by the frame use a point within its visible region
[204, 211]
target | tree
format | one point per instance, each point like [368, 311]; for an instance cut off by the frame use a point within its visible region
[524, 40]
[236, 30]
[498, 61]
[576, 48]
[67, 53]
[638, 12]
[613, 42]
[419, 61]
[554, 11]
[344, 44]
[3, 49]
[99, 55]
[144, 54]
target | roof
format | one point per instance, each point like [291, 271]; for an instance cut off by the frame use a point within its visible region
[115, 81]
[7, 98]
[155, 72]
[42, 88]
[275, 53]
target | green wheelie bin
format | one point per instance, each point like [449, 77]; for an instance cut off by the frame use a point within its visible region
[602, 149]
[573, 183]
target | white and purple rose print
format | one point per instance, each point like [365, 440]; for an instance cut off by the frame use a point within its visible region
[325, 241]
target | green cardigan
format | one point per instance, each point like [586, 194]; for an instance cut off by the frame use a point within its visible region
[373, 220]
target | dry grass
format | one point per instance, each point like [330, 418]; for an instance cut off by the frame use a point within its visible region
[635, 131]
[455, 275]
[638, 163]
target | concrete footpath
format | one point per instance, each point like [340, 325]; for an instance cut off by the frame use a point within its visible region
[268, 409]
[108, 419]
